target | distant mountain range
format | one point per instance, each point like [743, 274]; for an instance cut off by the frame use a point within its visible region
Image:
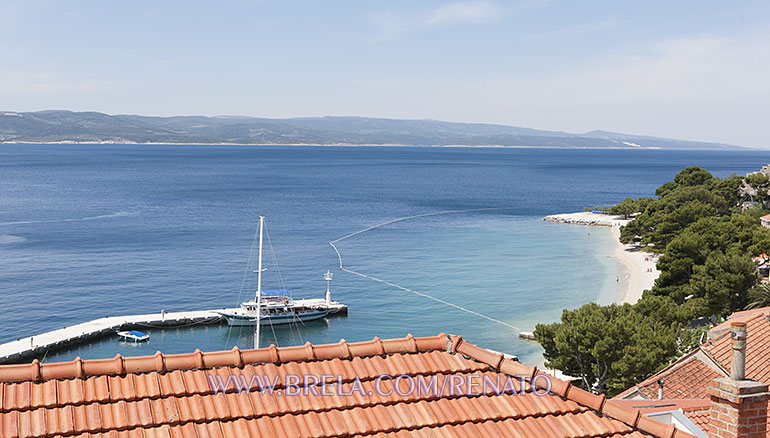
[93, 127]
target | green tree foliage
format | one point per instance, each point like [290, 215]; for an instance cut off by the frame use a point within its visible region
[607, 348]
[760, 183]
[720, 286]
[663, 310]
[728, 188]
[739, 234]
[626, 208]
[666, 189]
[706, 246]
[630, 206]
[666, 216]
[690, 338]
[759, 296]
[692, 176]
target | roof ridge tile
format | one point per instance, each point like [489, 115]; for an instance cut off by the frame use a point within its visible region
[190, 413]
[726, 333]
[79, 368]
[568, 391]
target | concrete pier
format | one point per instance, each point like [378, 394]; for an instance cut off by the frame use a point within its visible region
[527, 335]
[35, 345]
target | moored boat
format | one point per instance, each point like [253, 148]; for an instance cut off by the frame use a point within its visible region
[133, 335]
[277, 306]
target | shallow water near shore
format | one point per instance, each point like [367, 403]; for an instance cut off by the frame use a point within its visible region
[94, 230]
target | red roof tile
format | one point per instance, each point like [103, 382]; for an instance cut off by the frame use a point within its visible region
[171, 396]
[742, 316]
[688, 378]
[757, 348]
[691, 375]
[665, 405]
[700, 417]
[698, 411]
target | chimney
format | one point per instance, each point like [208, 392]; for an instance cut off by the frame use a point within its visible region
[661, 382]
[738, 405]
[738, 335]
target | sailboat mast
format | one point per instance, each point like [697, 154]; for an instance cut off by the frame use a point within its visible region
[259, 283]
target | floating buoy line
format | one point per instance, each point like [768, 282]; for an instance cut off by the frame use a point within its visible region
[406, 289]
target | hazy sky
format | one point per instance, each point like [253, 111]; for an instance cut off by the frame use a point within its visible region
[696, 70]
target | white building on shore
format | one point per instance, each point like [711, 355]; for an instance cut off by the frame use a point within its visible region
[765, 221]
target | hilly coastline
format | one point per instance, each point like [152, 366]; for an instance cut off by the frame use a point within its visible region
[94, 127]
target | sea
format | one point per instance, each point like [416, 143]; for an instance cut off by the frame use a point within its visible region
[88, 231]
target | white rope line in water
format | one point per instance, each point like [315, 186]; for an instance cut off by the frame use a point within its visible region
[406, 289]
[413, 217]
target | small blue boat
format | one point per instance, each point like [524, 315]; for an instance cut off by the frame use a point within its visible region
[134, 335]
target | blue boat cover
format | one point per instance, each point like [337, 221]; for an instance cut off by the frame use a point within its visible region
[137, 333]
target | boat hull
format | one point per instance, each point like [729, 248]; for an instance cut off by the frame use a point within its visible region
[246, 320]
[133, 336]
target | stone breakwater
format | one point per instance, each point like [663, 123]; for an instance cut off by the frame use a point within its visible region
[588, 218]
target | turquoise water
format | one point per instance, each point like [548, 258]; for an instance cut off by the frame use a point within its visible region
[96, 230]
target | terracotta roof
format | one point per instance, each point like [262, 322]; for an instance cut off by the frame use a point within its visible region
[170, 396]
[742, 316]
[696, 410]
[665, 405]
[691, 375]
[700, 417]
[757, 347]
[750, 312]
[688, 378]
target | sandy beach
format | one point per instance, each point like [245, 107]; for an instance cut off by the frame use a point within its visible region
[638, 266]
[640, 270]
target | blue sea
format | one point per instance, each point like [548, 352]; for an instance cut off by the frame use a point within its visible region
[101, 230]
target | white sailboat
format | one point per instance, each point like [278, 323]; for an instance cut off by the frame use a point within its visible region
[275, 306]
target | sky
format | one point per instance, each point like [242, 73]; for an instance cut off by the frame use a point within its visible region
[695, 70]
